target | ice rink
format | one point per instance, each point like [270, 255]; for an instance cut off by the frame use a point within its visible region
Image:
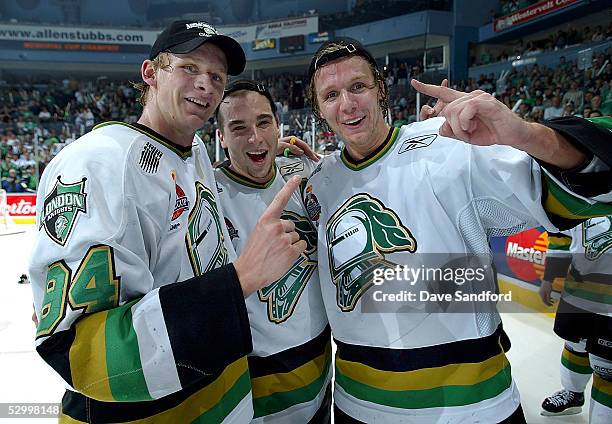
[24, 377]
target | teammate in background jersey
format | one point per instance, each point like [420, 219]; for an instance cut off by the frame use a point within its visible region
[583, 258]
[137, 288]
[394, 196]
[290, 365]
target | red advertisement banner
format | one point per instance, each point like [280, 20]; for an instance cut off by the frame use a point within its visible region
[528, 13]
[22, 208]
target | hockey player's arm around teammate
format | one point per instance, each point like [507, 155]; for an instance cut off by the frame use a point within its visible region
[140, 309]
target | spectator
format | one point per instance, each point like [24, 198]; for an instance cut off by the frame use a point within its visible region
[574, 95]
[554, 111]
[10, 184]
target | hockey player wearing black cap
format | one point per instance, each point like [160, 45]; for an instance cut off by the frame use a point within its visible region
[137, 289]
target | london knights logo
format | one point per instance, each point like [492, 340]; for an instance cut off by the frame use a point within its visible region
[282, 295]
[61, 209]
[204, 238]
[597, 236]
[358, 235]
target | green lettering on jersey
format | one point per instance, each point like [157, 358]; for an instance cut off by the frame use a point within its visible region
[283, 294]
[61, 209]
[597, 236]
[358, 235]
[204, 238]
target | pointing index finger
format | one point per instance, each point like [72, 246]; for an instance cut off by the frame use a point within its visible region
[275, 209]
[445, 94]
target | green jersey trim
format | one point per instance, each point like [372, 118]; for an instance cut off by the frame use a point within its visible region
[379, 152]
[242, 180]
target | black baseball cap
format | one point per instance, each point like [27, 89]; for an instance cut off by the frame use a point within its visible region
[350, 47]
[185, 36]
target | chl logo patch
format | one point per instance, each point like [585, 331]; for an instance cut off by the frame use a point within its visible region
[61, 209]
[417, 142]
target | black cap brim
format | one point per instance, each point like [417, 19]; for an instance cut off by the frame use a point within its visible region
[234, 55]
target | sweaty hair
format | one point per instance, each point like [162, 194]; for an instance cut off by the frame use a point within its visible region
[311, 90]
[161, 61]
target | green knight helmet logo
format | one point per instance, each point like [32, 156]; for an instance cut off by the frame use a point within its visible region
[61, 209]
[204, 238]
[597, 236]
[358, 235]
[283, 294]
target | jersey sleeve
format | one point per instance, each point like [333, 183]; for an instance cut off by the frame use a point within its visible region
[515, 184]
[106, 326]
[558, 258]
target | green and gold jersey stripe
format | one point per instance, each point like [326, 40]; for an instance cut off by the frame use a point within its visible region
[164, 142]
[602, 391]
[588, 290]
[377, 154]
[277, 392]
[444, 386]
[212, 403]
[443, 396]
[240, 179]
[105, 358]
[559, 242]
[576, 363]
[561, 203]
[463, 374]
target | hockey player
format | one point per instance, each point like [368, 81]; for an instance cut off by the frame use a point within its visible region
[290, 365]
[399, 196]
[137, 288]
[583, 258]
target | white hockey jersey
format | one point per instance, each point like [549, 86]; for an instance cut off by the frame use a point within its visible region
[290, 365]
[418, 195]
[123, 214]
[583, 257]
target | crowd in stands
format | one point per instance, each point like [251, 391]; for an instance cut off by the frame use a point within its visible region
[37, 120]
[546, 93]
[556, 40]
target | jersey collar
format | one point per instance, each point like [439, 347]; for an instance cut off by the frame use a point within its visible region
[182, 151]
[358, 165]
[245, 181]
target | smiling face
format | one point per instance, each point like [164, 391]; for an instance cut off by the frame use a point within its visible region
[250, 132]
[348, 99]
[185, 93]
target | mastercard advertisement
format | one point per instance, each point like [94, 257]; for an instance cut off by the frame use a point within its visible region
[521, 255]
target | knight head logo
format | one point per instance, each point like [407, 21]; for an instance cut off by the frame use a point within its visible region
[61, 209]
[359, 234]
[282, 295]
[597, 236]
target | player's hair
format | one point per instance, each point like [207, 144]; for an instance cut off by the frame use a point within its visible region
[311, 92]
[161, 61]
